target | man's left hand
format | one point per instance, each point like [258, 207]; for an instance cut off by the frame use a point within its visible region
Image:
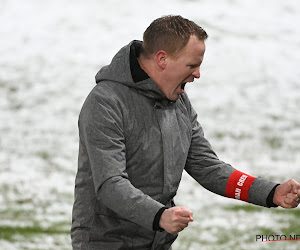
[287, 195]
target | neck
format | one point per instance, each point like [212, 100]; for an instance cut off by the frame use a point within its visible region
[148, 65]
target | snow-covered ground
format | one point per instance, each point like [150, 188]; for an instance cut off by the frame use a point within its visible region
[247, 99]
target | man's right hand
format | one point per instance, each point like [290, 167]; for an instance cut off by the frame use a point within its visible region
[175, 219]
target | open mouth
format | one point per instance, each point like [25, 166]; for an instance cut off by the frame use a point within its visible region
[183, 85]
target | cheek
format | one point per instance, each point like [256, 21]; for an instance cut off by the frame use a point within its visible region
[188, 74]
[179, 75]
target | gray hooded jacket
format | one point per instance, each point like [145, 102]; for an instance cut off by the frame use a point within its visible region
[134, 146]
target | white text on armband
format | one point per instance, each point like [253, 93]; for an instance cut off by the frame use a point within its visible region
[242, 180]
[238, 193]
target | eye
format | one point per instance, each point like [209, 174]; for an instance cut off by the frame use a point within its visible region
[192, 66]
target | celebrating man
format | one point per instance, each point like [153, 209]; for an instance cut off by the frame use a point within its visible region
[138, 132]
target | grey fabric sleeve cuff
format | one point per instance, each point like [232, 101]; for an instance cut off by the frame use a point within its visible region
[156, 220]
[260, 190]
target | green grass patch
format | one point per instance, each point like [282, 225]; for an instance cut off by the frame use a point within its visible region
[295, 211]
[254, 208]
[8, 232]
[293, 226]
[219, 135]
[289, 217]
[266, 231]
[246, 208]
[273, 142]
[292, 229]
[17, 214]
[44, 155]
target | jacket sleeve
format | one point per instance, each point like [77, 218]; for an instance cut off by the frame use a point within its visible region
[219, 177]
[101, 130]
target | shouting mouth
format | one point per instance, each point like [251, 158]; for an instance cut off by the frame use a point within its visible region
[182, 86]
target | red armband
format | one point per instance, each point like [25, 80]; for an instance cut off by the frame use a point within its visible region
[238, 185]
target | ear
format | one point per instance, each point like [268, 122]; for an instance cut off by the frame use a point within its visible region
[161, 59]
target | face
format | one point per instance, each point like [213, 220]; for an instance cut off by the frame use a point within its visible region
[183, 68]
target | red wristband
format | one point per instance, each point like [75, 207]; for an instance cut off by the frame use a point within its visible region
[238, 185]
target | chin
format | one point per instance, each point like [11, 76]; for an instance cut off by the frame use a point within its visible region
[173, 99]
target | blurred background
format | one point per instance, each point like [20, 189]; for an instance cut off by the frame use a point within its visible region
[247, 100]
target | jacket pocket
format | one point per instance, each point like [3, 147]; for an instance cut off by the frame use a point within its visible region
[112, 232]
[109, 232]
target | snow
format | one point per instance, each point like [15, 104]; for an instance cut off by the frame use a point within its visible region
[247, 98]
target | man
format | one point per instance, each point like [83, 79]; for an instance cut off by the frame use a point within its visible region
[138, 132]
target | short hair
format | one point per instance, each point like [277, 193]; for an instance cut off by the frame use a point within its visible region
[170, 33]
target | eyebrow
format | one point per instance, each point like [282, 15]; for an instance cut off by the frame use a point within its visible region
[195, 64]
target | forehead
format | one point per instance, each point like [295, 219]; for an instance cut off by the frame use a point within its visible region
[194, 49]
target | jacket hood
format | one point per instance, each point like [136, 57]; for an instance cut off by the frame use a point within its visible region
[119, 71]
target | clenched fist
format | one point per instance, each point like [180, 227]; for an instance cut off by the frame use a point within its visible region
[287, 195]
[175, 219]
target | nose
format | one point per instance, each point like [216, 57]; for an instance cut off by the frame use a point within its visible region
[196, 73]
